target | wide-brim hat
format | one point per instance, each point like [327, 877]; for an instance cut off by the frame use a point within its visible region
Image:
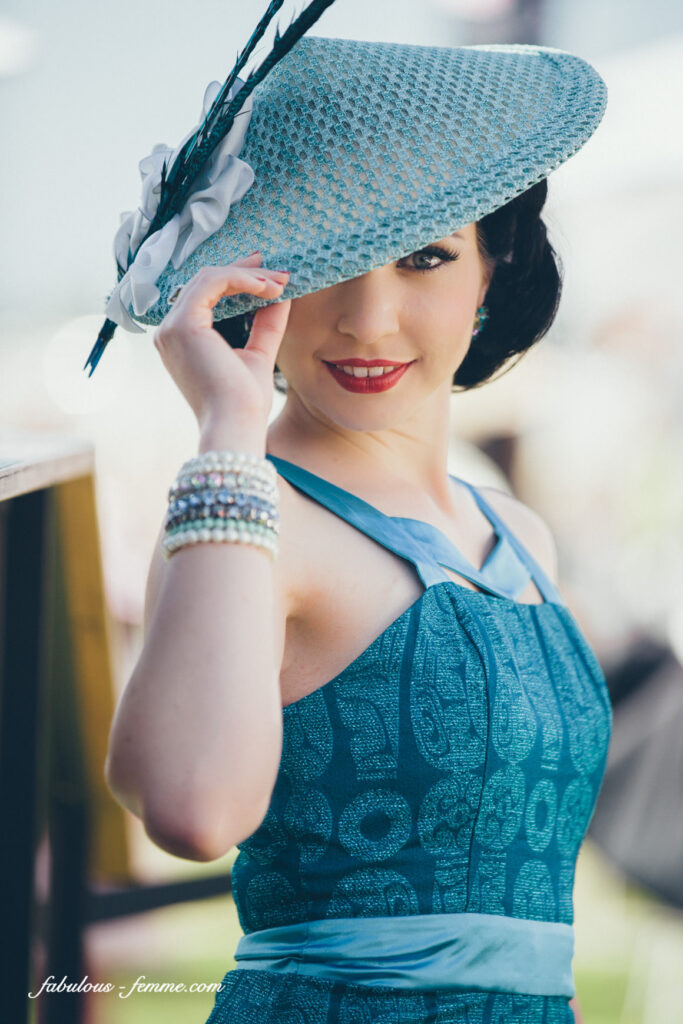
[363, 152]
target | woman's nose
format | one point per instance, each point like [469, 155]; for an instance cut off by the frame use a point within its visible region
[369, 307]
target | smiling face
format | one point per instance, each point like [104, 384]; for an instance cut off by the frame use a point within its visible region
[417, 311]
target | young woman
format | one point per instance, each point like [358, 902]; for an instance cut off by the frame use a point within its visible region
[378, 693]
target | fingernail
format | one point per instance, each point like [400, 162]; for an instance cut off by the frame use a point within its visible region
[256, 252]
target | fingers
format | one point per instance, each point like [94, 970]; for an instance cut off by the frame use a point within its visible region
[210, 284]
[192, 310]
[267, 329]
[254, 259]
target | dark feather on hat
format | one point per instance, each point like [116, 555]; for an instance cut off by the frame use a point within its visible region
[177, 181]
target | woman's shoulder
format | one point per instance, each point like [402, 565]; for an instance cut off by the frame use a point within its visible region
[296, 533]
[527, 525]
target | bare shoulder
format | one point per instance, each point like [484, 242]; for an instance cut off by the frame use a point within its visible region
[531, 529]
[292, 557]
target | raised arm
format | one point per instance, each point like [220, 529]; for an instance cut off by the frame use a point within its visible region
[196, 738]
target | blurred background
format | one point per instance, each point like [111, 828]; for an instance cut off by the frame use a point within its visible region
[587, 429]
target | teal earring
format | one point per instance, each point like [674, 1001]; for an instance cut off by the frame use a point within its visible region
[479, 320]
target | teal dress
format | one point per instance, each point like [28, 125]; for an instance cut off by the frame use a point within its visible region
[416, 864]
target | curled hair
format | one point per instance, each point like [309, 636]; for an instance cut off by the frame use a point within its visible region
[522, 299]
[524, 291]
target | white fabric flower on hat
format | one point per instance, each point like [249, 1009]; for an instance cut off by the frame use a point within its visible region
[223, 181]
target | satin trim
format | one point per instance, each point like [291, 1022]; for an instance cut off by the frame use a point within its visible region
[491, 952]
[505, 573]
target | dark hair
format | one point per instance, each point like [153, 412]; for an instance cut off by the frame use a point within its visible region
[522, 299]
[524, 292]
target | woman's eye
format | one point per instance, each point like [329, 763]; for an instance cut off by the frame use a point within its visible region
[430, 258]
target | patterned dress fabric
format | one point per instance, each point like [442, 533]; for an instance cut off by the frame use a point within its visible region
[453, 766]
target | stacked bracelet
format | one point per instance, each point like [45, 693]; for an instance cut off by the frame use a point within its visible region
[223, 496]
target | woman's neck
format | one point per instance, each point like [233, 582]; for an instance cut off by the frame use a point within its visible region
[380, 462]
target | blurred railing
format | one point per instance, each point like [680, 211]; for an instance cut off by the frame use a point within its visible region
[66, 854]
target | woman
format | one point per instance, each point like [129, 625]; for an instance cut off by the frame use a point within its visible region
[392, 713]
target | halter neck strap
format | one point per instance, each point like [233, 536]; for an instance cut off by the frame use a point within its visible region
[505, 573]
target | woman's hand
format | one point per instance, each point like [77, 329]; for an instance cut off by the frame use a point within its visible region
[220, 382]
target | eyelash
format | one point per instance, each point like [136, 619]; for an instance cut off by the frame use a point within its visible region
[445, 255]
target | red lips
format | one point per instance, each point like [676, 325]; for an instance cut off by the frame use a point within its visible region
[368, 385]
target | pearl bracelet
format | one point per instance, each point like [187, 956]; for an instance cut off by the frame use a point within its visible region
[242, 533]
[216, 480]
[227, 460]
[216, 472]
[223, 496]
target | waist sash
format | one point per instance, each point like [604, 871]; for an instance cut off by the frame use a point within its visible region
[492, 952]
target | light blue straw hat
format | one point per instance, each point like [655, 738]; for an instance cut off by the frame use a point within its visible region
[353, 154]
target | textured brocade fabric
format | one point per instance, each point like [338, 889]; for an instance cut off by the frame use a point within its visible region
[261, 997]
[452, 767]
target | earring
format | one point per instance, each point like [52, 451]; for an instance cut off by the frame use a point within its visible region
[479, 320]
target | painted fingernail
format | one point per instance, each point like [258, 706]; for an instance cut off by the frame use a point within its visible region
[256, 252]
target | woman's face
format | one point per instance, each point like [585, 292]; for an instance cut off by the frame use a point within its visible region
[418, 311]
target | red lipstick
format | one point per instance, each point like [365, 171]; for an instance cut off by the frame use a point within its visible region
[367, 385]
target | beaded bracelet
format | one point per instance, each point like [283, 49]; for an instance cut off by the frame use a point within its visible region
[216, 481]
[243, 533]
[258, 468]
[221, 504]
[219, 517]
[216, 529]
[223, 496]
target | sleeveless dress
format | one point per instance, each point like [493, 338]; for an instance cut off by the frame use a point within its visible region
[447, 776]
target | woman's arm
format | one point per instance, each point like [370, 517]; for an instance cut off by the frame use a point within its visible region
[574, 1003]
[196, 738]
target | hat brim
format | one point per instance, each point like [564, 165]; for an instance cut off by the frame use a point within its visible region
[365, 152]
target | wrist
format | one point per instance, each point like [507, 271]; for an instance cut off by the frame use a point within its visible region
[228, 435]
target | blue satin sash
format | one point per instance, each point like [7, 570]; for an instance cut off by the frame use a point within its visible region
[491, 952]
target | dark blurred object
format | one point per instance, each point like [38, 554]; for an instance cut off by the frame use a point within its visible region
[638, 819]
[502, 449]
[56, 702]
[66, 860]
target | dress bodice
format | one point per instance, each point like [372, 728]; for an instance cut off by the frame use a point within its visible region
[453, 765]
[451, 768]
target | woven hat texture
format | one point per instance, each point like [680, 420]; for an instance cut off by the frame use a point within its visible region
[364, 152]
